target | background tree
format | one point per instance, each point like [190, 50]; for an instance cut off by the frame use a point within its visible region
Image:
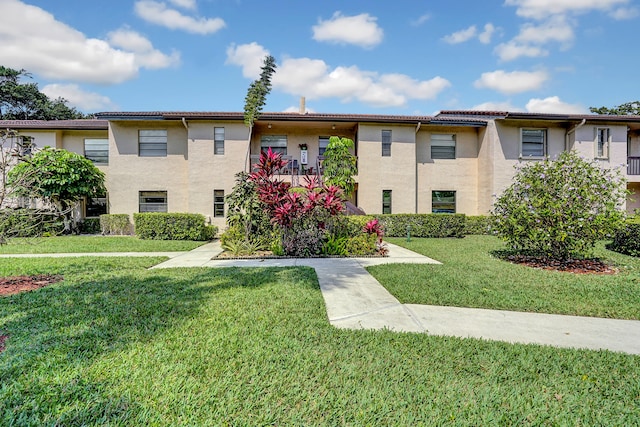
[560, 208]
[629, 108]
[340, 165]
[58, 178]
[24, 101]
[257, 96]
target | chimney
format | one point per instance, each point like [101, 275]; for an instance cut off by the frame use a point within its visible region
[303, 107]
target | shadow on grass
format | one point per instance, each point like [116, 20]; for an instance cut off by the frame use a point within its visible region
[67, 326]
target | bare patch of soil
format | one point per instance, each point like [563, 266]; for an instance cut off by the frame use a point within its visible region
[3, 338]
[576, 266]
[16, 284]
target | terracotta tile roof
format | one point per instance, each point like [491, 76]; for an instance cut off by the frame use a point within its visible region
[55, 124]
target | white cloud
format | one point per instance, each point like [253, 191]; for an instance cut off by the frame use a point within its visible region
[496, 106]
[296, 109]
[146, 55]
[185, 4]
[461, 36]
[34, 40]
[485, 36]
[624, 13]
[421, 20]
[250, 57]
[360, 30]
[541, 9]
[512, 82]
[84, 101]
[314, 79]
[158, 13]
[553, 105]
[555, 29]
[514, 50]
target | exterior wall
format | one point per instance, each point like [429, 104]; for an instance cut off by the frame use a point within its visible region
[396, 172]
[129, 173]
[459, 174]
[585, 144]
[42, 139]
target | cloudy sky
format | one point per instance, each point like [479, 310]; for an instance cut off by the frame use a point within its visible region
[360, 56]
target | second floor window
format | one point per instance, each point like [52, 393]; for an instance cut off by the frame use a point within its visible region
[602, 143]
[443, 146]
[97, 150]
[152, 143]
[323, 142]
[277, 143]
[386, 143]
[533, 143]
[218, 141]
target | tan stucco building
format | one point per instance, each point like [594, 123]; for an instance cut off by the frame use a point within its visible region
[456, 161]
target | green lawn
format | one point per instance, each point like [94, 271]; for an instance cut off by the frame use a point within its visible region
[471, 277]
[78, 244]
[116, 344]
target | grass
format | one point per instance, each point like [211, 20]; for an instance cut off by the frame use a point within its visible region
[78, 244]
[116, 344]
[471, 277]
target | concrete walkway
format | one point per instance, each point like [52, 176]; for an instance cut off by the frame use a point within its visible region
[356, 300]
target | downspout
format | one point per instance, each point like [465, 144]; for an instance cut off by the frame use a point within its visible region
[570, 131]
[415, 209]
[184, 123]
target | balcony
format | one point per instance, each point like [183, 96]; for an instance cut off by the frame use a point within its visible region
[633, 165]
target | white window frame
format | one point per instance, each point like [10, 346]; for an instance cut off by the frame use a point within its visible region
[545, 142]
[218, 141]
[445, 145]
[145, 206]
[386, 138]
[95, 152]
[152, 142]
[602, 148]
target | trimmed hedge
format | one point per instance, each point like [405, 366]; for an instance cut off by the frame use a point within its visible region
[173, 226]
[423, 225]
[115, 224]
[480, 224]
[90, 226]
[627, 239]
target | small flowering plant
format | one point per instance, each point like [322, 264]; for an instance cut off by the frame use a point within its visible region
[374, 227]
[560, 208]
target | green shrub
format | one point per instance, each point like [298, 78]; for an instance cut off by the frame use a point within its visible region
[364, 244]
[423, 225]
[115, 224]
[627, 239]
[335, 246]
[90, 225]
[349, 225]
[25, 222]
[480, 224]
[172, 226]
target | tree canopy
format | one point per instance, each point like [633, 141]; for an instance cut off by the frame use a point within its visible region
[24, 101]
[628, 108]
[258, 91]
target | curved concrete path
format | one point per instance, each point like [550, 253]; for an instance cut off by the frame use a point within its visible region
[356, 300]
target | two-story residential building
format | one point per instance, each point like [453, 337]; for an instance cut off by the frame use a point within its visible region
[456, 161]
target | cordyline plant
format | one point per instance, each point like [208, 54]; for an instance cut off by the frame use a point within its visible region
[303, 217]
[560, 208]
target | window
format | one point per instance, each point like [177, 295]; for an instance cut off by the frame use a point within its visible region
[96, 206]
[386, 143]
[443, 201]
[152, 143]
[218, 141]
[25, 145]
[97, 150]
[277, 143]
[533, 143]
[218, 203]
[443, 146]
[602, 143]
[386, 201]
[153, 201]
[323, 141]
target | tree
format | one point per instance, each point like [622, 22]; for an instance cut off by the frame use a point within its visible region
[58, 178]
[560, 208]
[339, 165]
[24, 101]
[629, 108]
[257, 96]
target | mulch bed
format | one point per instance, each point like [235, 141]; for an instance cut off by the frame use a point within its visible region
[16, 284]
[577, 266]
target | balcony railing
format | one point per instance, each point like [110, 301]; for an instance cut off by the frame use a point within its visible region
[633, 165]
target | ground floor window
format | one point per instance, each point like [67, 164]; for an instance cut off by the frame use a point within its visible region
[386, 201]
[218, 203]
[443, 201]
[96, 206]
[153, 201]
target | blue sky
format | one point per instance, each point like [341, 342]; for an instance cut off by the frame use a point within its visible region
[358, 57]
